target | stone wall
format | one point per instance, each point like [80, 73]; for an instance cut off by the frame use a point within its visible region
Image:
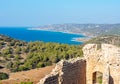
[105, 60]
[67, 72]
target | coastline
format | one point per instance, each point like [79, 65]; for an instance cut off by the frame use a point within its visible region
[38, 29]
[85, 37]
[81, 39]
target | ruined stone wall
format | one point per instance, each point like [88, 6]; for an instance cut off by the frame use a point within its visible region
[74, 73]
[92, 56]
[67, 72]
[105, 60]
[111, 54]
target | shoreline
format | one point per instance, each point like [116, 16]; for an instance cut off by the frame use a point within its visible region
[38, 29]
[76, 39]
[81, 39]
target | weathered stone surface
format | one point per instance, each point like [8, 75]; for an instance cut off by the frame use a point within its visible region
[67, 72]
[104, 60]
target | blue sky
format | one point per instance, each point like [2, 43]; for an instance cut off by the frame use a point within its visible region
[42, 12]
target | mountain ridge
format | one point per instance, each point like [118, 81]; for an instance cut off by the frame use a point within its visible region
[91, 30]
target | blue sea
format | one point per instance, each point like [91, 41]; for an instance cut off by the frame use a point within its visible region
[22, 33]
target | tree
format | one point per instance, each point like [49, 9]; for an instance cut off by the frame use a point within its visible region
[18, 50]
[40, 64]
[9, 65]
[17, 57]
[7, 51]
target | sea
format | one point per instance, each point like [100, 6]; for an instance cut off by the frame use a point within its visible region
[24, 34]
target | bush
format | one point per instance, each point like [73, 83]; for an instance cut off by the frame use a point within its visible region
[40, 65]
[26, 83]
[3, 76]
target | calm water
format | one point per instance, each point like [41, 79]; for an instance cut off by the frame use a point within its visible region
[35, 35]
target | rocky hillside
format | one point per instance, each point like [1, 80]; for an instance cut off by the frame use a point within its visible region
[108, 39]
[10, 51]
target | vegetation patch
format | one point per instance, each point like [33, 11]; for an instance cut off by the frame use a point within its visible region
[20, 56]
[3, 76]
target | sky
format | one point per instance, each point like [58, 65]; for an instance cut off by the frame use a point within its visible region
[43, 12]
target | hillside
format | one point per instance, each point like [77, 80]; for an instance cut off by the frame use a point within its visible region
[90, 30]
[108, 39]
[17, 55]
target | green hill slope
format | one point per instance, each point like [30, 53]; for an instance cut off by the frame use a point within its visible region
[17, 55]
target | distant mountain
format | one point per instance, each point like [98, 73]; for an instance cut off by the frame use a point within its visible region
[86, 29]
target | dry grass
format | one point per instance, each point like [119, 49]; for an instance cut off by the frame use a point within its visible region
[32, 75]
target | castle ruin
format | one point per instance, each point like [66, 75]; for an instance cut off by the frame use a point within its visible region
[100, 65]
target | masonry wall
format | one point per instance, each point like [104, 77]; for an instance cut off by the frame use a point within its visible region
[67, 72]
[74, 73]
[105, 60]
[51, 80]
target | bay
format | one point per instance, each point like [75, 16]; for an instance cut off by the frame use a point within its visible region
[22, 33]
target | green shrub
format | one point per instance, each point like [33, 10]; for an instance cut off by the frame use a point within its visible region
[40, 64]
[3, 76]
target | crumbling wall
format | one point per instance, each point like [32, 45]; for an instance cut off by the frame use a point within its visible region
[92, 56]
[74, 72]
[111, 55]
[50, 79]
[105, 60]
[67, 72]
